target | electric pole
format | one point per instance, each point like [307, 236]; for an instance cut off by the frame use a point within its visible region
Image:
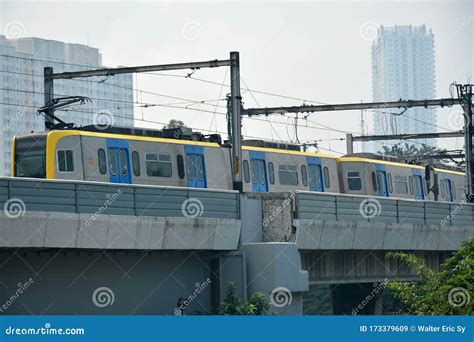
[465, 99]
[233, 63]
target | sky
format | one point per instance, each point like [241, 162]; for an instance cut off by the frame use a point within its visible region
[314, 51]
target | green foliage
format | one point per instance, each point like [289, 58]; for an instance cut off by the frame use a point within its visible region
[233, 305]
[445, 293]
[175, 124]
[410, 150]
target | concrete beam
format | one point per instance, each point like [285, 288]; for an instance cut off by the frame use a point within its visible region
[345, 235]
[107, 232]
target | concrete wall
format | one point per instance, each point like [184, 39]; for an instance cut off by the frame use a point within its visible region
[142, 283]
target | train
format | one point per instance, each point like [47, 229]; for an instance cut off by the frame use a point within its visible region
[182, 158]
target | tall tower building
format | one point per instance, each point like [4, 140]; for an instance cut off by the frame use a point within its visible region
[22, 63]
[403, 67]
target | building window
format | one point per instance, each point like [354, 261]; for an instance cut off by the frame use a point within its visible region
[65, 161]
[136, 163]
[102, 161]
[158, 164]
[354, 181]
[288, 174]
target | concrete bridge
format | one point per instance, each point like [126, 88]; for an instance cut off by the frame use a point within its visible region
[71, 247]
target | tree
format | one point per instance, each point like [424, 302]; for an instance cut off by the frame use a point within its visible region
[175, 124]
[233, 305]
[445, 293]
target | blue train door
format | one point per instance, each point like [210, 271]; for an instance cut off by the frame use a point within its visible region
[315, 174]
[119, 164]
[381, 176]
[195, 166]
[418, 185]
[258, 171]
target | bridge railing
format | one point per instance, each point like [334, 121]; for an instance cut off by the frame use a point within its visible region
[342, 207]
[116, 199]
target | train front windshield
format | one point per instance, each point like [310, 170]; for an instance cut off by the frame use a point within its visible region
[30, 157]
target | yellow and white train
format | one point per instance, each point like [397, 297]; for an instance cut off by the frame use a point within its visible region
[94, 155]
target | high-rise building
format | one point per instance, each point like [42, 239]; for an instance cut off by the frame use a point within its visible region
[403, 67]
[22, 63]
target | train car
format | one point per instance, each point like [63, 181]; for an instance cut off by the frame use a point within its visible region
[131, 159]
[287, 169]
[450, 185]
[116, 158]
[81, 154]
[367, 174]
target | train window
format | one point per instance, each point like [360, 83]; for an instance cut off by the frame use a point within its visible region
[136, 163]
[180, 162]
[288, 174]
[190, 166]
[199, 167]
[246, 171]
[158, 165]
[374, 181]
[261, 171]
[401, 185]
[410, 183]
[327, 180]
[271, 173]
[441, 185]
[390, 184]
[304, 175]
[453, 187]
[253, 169]
[102, 161]
[65, 161]
[113, 161]
[123, 162]
[418, 185]
[353, 180]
